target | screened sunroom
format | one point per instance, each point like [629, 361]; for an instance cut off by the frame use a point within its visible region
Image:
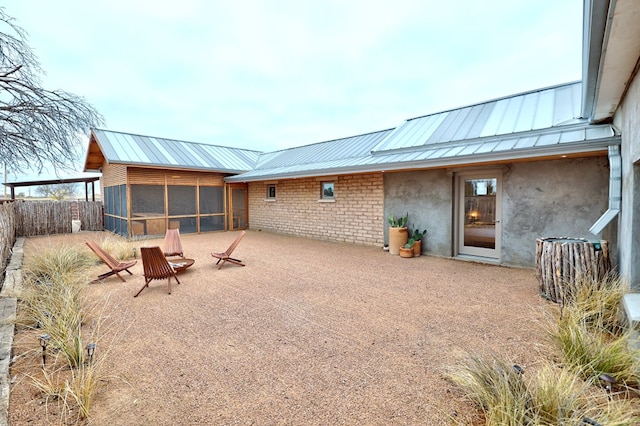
[150, 184]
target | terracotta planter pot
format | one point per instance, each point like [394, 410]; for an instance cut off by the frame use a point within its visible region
[417, 248]
[406, 252]
[398, 237]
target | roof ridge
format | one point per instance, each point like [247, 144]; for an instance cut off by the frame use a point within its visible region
[327, 141]
[501, 98]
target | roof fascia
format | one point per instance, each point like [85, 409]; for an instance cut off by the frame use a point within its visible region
[92, 138]
[594, 29]
[532, 153]
[174, 167]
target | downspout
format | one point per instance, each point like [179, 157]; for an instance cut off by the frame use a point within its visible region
[615, 190]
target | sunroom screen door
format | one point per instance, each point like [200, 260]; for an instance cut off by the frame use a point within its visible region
[238, 207]
[479, 227]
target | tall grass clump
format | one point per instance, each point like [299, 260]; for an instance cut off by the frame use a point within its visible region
[53, 300]
[83, 385]
[118, 247]
[592, 335]
[598, 302]
[60, 263]
[73, 389]
[590, 352]
[549, 396]
[494, 386]
[557, 396]
[54, 303]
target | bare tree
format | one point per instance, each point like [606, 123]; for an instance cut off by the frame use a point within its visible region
[58, 191]
[38, 127]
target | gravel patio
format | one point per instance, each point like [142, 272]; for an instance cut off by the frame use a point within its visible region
[308, 333]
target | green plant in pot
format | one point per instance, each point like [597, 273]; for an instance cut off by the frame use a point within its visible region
[398, 233]
[407, 249]
[417, 236]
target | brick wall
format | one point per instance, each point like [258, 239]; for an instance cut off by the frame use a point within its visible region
[356, 215]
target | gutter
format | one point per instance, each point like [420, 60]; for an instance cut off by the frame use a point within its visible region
[615, 191]
[596, 14]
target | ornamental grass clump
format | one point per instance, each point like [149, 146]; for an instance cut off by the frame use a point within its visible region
[118, 247]
[83, 385]
[72, 389]
[599, 303]
[592, 335]
[53, 303]
[494, 386]
[61, 263]
[557, 396]
[548, 396]
[591, 352]
[57, 308]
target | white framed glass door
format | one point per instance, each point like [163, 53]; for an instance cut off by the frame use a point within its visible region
[479, 229]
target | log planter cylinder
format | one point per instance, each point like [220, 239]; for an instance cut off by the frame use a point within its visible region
[562, 263]
[398, 237]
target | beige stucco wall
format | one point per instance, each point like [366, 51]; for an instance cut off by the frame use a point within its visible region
[539, 199]
[356, 215]
[627, 119]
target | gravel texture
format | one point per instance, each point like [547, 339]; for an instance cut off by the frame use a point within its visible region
[308, 333]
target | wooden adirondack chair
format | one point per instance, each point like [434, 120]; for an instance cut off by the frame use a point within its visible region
[156, 267]
[116, 266]
[172, 244]
[226, 255]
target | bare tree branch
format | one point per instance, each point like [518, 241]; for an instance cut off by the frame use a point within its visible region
[38, 127]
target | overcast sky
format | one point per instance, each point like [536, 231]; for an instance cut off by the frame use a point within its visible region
[273, 74]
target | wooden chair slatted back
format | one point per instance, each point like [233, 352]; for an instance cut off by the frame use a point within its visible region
[103, 255]
[172, 243]
[155, 264]
[233, 245]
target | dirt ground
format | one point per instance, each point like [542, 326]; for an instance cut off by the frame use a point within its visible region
[308, 333]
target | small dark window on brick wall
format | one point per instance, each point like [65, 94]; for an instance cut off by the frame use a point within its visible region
[327, 191]
[271, 191]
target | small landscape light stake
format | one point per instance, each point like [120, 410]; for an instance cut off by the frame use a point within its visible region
[588, 421]
[44, 341]
[134, 253]
[609, 381]
[91, 348]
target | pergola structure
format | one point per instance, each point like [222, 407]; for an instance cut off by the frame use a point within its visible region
[86, 180]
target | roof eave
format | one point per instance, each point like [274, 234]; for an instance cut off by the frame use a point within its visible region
[179, 167]
[593, 146]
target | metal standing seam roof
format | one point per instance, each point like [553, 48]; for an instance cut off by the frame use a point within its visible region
[534, 124]
[125, 148]
[531, 111]
[539, 123]
[335, 150]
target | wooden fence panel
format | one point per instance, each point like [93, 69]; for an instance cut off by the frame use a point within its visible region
[91, 215]
[7, 232]
[55, 217]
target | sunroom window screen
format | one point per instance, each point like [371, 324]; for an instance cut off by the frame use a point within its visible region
[211, 200]
[147, 200]
[182, 200]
